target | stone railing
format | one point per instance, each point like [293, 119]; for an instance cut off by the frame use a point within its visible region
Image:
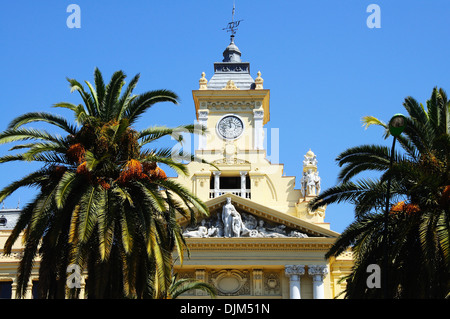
[238, 192]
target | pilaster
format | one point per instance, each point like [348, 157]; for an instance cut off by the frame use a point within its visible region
[257, 282]
[202, 121]
[258, 135]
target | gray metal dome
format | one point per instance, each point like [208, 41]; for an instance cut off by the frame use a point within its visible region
[231, 68]
[232, 53]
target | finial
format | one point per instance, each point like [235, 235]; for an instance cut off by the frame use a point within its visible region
[310, 160]
[259, 82]
[203, 82]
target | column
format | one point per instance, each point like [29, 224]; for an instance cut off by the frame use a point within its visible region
[29, 290]
[294, 272]
[14, 288]
[202, 120]
[216, 183]
[243, 184]
[318, 272]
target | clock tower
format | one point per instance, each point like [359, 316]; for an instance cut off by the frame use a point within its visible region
[233, 107]
[260, 238]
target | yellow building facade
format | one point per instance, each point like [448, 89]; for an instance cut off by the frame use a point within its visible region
[260, 240]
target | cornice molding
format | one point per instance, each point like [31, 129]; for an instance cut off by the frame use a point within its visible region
[260, 244]
[234, 96]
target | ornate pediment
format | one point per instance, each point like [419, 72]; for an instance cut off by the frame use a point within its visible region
[229, 221]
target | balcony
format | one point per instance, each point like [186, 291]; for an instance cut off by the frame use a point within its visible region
[245, 193]
[235, 184]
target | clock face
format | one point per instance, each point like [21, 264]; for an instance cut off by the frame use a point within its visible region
[230, 127]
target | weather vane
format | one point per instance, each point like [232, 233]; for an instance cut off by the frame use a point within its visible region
[233, 25]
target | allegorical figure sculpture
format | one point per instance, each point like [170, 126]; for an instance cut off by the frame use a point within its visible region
[317, 182]
[228, 211]
[233, 226]
[310, 181]
[230, 223]
[202, 231]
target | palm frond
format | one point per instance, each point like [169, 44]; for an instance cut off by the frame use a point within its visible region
[99, 87]
[22, 134]
[21, 224]
[181, 286]
[89, 206]
[126, 98]
[371, 120]
[106, 224]
[146, 100]
[362, 158]
[54, 119]
[112, 94]
[44, 148]
[87, 98]
[127, 233]
[32, 179]
[64, 188]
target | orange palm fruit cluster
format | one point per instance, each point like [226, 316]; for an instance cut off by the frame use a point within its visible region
[402, 207]
[132, 170]
[76, 153]
[103, 183]
[136, 170]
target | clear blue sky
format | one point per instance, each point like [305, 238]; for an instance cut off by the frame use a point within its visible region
[325, 68]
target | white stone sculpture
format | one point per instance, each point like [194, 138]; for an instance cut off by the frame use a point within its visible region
[311, 183]
[303, 183]
[228, 214]
[310, 159]
[317, 182]
[201, 231]
[230, 223]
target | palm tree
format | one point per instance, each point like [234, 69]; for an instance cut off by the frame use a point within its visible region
[418, 226]
[103, 203]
